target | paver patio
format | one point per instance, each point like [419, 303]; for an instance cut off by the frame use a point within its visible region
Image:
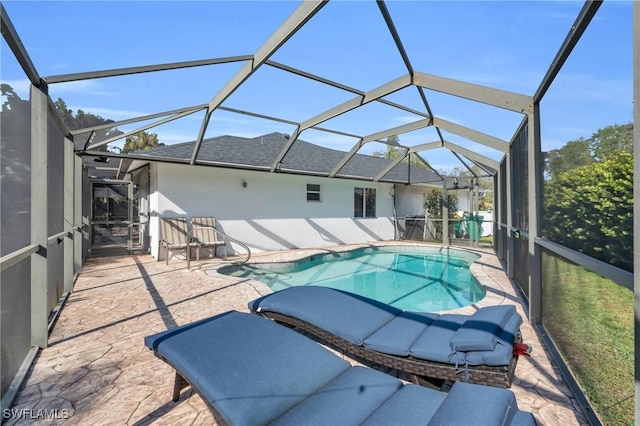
[97, 370]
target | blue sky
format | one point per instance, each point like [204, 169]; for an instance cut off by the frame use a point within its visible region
[505, 45]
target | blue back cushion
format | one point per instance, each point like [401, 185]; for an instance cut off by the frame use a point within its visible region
[411, 405]
[249, 368]
[481, 331]
[503, 350]
[433, 343]
[349, 316]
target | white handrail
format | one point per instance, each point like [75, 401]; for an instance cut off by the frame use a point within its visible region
[227, 237]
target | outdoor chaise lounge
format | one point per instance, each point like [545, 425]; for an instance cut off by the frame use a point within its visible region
[252, 371]
[475, 348]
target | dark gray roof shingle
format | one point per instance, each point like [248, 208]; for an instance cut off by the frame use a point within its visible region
[303, 157]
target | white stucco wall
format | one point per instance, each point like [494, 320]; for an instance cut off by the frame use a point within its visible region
[271, 212]
[410, 200]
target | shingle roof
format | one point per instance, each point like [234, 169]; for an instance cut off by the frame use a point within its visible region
[261, 152]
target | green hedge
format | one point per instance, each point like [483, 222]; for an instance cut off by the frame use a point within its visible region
[590, 209]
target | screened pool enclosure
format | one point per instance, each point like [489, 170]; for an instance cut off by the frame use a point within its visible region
[535, 101]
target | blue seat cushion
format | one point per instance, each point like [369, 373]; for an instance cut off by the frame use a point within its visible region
[411, 405]
[249, 368]
[346, 315]
[398, 335]
[433, 343]
[347, 400]
[470, 404]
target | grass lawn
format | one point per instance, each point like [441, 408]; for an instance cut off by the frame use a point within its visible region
[590, 319]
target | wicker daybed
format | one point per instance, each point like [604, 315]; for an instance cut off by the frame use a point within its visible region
[434, 348]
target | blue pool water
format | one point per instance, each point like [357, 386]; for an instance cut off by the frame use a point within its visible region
[414, 281]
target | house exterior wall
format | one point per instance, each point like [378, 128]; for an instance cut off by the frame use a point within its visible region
[410, 204]
[410, 200]
[465, 200]
[271, 212]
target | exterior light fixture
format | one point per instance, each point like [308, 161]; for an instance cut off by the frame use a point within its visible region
[278, 167]
[244, 183]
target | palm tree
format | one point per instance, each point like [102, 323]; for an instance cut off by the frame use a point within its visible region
[392, 151]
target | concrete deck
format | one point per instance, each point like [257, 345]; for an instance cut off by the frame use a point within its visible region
[97, 370]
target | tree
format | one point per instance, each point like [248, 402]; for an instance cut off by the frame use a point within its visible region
[141, 141]
[609, 141]
[433, 203]
[83, 120]
[15, 170]
[392, 151]
[15, 127]
[601, 145]
[573, 154]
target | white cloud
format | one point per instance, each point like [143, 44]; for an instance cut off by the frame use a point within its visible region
[404, 119]
[84, 87]
[450, 118]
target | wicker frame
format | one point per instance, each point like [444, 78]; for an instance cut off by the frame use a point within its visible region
[421, 370]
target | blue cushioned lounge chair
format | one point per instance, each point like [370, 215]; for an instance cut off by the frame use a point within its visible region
[475, 348]
[252, 371]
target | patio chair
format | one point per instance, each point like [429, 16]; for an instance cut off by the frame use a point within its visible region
[252, 371]
[477, 348]
[176, 235]
[205, 234]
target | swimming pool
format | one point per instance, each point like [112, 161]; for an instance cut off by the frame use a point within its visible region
[426, 280]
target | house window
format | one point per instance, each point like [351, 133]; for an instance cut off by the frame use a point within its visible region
[313, 192]
[364, 202]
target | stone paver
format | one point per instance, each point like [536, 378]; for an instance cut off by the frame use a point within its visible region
[97, 370]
